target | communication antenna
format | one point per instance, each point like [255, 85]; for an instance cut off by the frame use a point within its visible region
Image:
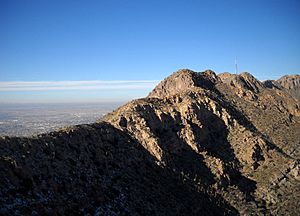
[236, 66]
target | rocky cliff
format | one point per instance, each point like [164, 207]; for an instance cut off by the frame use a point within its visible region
[198, 144]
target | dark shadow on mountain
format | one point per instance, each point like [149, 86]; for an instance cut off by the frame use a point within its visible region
[272, 84]
[211, 137]
[94, 169]
[177, 154]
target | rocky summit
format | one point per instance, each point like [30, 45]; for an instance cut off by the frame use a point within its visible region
[198, 144]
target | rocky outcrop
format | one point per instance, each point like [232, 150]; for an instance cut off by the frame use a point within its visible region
[243, 81]
[290, 81]
[199, 143]
[272, 84]
[292, 84]
[184, 80]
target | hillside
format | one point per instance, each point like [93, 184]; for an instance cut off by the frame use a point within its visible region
[198, 144]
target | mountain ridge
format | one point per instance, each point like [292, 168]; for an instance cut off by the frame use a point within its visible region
[206, 140]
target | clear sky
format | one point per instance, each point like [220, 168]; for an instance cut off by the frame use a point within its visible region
[138, 40]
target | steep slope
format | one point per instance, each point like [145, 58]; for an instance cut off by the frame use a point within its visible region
[199, 144]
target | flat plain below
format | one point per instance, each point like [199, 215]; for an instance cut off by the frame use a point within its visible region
[32, 119]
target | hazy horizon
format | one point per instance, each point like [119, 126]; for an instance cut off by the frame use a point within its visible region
[74, 91]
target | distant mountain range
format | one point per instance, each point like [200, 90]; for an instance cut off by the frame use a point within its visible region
[198, 144]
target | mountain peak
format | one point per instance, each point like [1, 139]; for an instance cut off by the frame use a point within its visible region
[243, 80]
[183, 80]
[290, 81]
[292, 84]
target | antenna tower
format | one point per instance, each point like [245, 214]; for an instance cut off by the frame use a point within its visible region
[236, 66]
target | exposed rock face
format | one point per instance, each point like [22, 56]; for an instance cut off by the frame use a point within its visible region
[292, 84]
[244, 80]
[184, 80]
[199, 144]
[290, 81]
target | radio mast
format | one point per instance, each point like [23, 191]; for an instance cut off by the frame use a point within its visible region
[236, 66]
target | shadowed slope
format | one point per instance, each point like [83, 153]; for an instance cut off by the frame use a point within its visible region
[94, 169]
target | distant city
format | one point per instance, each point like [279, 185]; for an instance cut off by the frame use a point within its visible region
[33, 119]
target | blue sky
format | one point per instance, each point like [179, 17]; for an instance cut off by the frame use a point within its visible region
[139, 40]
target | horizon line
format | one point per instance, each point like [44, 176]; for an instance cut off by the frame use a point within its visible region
[6, 86]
